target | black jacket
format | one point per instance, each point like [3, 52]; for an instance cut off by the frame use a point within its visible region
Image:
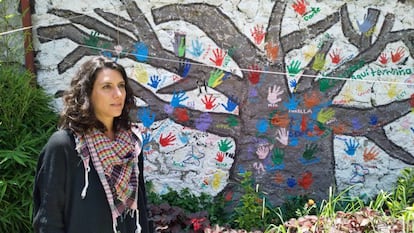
[59, 180]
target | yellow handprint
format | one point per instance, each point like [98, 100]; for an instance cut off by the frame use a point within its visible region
[325, 115]
[308, 54]
[140, 74]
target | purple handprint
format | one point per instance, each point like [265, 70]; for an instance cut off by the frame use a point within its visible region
[203, 122]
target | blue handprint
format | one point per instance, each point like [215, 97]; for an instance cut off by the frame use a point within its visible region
[262, 125]
[178, 98]
[184, 68]
[197, 48]
[293, 83]
[356, 124]
[183, 137]
[293, 140]
[146, 117]
[351, 146]
[291, 182]
[292, 104]
[155, 80]
[367, 24]
[373, 120]
[231, 104]
[146, 138]
[141, 52]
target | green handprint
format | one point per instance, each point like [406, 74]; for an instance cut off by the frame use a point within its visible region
[216, 78]
[319, 62]
[232, 121]
[224, 145]
[325, 84]
[294, 68]
[309, 151]
[277, 156]
[181, 47]
[325, 115]
[92, 40]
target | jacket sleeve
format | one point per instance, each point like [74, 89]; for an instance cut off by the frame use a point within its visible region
[49, 185]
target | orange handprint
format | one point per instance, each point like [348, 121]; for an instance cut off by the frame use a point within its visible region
[271, 51]
[370, 155]
[280, 120]
[395, 57]
[312, 100]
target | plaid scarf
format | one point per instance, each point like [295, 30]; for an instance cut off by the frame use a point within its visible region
[117, 166]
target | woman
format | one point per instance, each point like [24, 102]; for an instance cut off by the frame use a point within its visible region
[89, 175]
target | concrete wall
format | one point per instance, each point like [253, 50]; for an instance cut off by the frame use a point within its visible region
[304, 94]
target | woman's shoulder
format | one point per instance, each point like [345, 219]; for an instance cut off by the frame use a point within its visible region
[61, 138]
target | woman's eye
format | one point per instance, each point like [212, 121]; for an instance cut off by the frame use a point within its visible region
[122, 85]
[106, 87]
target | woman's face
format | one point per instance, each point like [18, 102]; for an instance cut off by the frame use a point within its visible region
[108, 95]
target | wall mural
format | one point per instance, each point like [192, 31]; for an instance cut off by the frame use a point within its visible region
[303, 94]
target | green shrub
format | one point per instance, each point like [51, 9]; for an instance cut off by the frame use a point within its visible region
[26, 122]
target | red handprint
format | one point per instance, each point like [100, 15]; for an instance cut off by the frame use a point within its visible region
[303, 123]
[258, 34]
[335, 57]
[271, 51]
[220, 156]
[167, 141]
[209, 101]
[395, 57]
[218, 56]
[300, 7]
[306, 180]
[412, 100]
[254, 74]
[383, 59]
[181, 114]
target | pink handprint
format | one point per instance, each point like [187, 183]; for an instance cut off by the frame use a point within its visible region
[273, 96]
[300, 7]
[383, 59]
[395, 57]
[283, 136]
[218, 56]
[258, 34]
[335, 56]
[259, 167]
[209, 101]
[167, 141]
[263, 150]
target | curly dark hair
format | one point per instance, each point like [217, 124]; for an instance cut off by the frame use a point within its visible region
[78, 114]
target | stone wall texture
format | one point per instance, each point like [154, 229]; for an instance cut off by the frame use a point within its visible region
[306, 95]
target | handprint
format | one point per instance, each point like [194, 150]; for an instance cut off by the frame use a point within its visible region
[254, 74]
[351, 146]
[293, 84]
[140, 74]
[371, 154]
[325, 115]
[383, 59]
[231, 104]
[181, 114]
[300, 7]
[184, 68]
[263, 150]
[312, 99]
[292, 104]
[179, 44]
[140, 52]
[309, 152]
[168, 140]
[306, 180]
[356, 124]
[277, 156]
[373, 120]
[216, 78]
[178, 98]
[258, 34]
[367, 24]
[92, 40]
[319, 62]
[208, 101]
[183, 137]
[203, 122]
[395, 57]
[294, 68]
[220, 156]
[280, 120]
[218, 56]
[146, 138]
[197, 48]
[262, 125]
[271, 51]
[325, 84]
[273, 95]
[224, 145]
[146, 117]
[283, 136]
[335, 56]
[155, 80]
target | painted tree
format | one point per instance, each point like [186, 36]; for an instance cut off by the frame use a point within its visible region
[288, 141]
